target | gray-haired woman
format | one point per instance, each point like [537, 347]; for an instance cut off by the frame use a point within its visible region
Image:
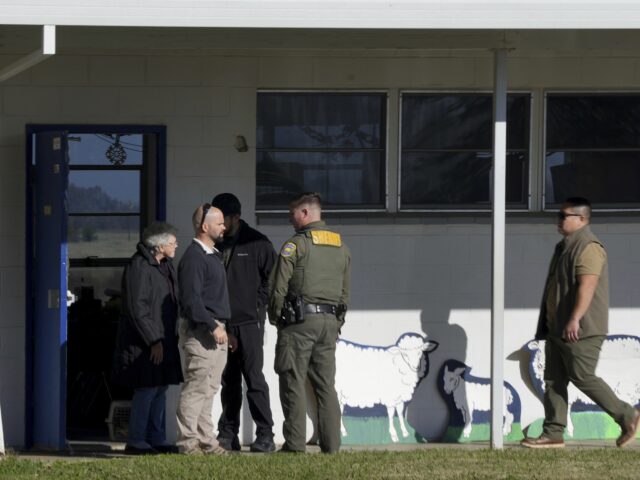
[147, 357]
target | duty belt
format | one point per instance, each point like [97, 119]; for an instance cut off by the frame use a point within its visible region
[319, 308]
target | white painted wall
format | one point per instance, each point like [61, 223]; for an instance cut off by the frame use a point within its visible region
[426, 272]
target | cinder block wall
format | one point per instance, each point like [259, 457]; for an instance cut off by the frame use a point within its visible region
[426, 273]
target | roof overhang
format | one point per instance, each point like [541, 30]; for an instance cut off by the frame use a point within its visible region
[346, 14]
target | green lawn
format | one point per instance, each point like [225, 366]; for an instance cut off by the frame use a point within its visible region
[430, 464]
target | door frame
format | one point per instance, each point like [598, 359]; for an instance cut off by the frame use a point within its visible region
[160, 208]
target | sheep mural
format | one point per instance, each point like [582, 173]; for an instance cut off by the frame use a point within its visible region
[469, 402]
[618, 365]
[370, 378]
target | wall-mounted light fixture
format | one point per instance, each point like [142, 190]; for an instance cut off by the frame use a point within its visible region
[241, 144]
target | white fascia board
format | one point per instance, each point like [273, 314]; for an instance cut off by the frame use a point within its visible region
[357, 14]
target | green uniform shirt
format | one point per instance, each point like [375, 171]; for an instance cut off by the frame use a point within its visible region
[314, 264]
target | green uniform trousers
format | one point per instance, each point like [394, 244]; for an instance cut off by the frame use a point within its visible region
[576, 363]
[309, 349]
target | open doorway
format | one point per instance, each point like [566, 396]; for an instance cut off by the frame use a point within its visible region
[111, 184]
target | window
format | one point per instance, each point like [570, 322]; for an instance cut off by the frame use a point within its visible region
[331, 143]
[447, 151]
[109, 182]
[593, 149]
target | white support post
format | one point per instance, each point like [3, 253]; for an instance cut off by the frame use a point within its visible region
[47, 50]
[498, 245]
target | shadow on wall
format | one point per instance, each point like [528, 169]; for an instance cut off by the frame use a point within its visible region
[427, 412]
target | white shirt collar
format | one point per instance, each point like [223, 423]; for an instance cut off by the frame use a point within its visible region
[206, 247]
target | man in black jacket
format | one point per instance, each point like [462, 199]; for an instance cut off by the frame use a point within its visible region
[248, 258]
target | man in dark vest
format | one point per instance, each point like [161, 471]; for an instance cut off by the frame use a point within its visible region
[248, 259]
[308, 294]
[574, 322]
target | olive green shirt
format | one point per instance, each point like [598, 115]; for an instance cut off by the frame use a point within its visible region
[590, 262]
[314, 264]
[580, 253]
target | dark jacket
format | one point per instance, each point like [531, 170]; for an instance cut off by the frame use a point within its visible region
[203, 287]
[249, 259]
[149, 314]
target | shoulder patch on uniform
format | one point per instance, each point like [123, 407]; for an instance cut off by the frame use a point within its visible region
[288, 249]
[324, 237]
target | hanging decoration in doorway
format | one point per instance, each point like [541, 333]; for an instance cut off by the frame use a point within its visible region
[116, 152]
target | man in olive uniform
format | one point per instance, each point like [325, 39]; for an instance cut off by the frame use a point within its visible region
[308, 294]
[574, 322]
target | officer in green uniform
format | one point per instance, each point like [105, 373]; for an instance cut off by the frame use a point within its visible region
[308, 294]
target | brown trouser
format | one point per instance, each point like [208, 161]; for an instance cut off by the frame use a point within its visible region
[203, 364]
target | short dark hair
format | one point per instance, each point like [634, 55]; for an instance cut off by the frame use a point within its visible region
[306, 198]
[580, 202]
[228, 204]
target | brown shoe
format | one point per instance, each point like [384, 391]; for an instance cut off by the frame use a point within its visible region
[629, 431]
[542, 442]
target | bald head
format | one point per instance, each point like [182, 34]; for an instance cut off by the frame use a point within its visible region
[208, 224]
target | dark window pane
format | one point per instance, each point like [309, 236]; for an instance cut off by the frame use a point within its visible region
[344, 179]
[93, 148]
[458, 179]
[593, 121]
[447, 142]
[607, 179]
[99, 283]
[319, 121]
[102, 237]
[100, 191]
[455, 121]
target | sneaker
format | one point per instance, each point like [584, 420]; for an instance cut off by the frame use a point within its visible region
[542, 442]
[166, 448]
[214, 450]
[629, 431]
[231, 444]
[263, 444]
[131, 450]
[190, 450]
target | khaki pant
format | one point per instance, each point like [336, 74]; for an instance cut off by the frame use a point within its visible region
[309, 350]
[576, 363]
[203, 364]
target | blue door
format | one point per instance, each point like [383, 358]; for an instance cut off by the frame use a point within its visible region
[49, 307]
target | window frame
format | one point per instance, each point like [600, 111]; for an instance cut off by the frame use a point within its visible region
[385, 156]
[574, 92]
[527, 207]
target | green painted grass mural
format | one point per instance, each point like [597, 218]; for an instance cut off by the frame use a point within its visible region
[375, 431]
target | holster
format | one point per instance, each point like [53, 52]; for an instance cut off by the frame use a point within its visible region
[292, 311]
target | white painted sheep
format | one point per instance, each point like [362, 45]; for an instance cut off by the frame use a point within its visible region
[472, 394]
[368, 375]
[618, 365]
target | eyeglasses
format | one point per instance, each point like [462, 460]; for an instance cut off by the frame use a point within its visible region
[205, 210]
[173, 244]
[562, 215]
